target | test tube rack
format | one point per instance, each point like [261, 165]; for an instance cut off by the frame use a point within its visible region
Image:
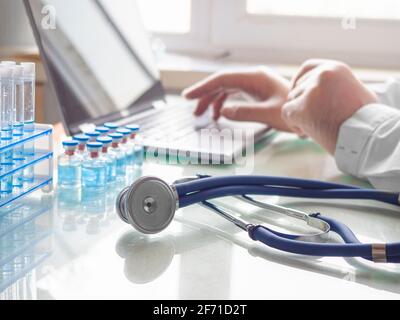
[25, 242]
[41, 161]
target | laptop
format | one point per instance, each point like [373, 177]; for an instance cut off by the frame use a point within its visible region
[99, 60]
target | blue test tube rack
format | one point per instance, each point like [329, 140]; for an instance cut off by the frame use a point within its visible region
[25, 241]
[41, 160]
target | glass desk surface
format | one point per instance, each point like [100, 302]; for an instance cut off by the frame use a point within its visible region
[85, 252]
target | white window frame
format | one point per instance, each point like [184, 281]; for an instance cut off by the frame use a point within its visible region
[225, 25]
[197, 39]
[293, 38]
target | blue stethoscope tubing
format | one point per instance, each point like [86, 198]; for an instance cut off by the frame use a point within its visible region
[206, 188]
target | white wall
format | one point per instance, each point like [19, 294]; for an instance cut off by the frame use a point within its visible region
[15, 29]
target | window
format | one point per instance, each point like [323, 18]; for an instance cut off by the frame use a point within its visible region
[166, 16]
[371, 9]
[360, 32]
[183, 25]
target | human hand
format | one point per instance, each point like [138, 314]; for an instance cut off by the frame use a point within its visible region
[323, 95]
[268, 90]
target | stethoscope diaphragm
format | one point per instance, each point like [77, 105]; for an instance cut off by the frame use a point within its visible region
[148, 205]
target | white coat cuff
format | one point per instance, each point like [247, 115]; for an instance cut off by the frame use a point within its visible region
[355, 132]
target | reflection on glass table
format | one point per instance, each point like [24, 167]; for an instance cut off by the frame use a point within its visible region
[80, 206]
[25, 242]
[147, 257]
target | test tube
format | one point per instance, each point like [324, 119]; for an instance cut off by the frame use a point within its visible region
[18, 122]
[11, 98]
[8, 97]
[18, 125]
[7, 94]
[29, 115]
[29, 96]
[2, 74]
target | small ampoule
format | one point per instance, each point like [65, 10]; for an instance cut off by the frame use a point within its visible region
[121, 157]
[137, 142]
[94, 168]
[128, 149]
[93, 135]
[69, 166]
[111, 126]
[104, 131]
[110, 158]
[82, 139]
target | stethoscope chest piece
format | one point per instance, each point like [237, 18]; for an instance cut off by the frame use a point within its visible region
[148, 205]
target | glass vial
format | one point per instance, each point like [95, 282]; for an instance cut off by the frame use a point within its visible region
[110, 157]
[82, 139]
[94, 168]
[121, 158]
[137, 142]
[69, 166]
[134, 129]
[128, 149]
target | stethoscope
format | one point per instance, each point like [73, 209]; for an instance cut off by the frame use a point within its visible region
[149, 205]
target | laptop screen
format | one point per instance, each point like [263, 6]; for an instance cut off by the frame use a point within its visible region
[98, 58]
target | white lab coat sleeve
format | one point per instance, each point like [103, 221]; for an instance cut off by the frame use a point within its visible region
[368, 145]
[388, 93]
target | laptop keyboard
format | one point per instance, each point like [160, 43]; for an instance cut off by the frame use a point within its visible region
[167, 123]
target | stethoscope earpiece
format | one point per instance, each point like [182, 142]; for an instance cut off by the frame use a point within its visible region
[148, 205]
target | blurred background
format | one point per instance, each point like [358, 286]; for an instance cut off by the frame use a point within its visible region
[193, 38]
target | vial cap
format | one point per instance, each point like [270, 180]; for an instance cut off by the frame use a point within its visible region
[81, 137]
[29, 68]
[102, 129]
[111, 125]
[94, 145]
[70, 143]
[116, 136]
[104, 140]
[124, 131]
[92, 134]
[133, 127]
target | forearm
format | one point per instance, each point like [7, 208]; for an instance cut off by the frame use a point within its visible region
[369, 146]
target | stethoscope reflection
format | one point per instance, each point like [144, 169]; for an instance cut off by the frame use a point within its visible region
[147, 257]
[25, 242]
